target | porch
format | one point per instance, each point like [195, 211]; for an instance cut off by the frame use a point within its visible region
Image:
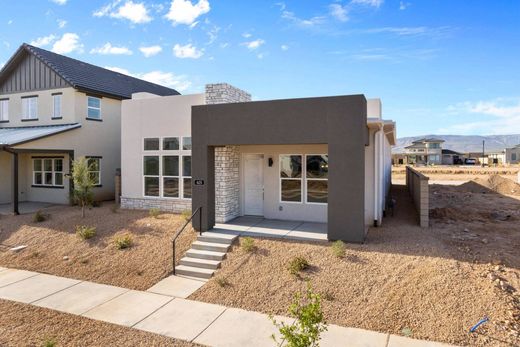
[272, 228]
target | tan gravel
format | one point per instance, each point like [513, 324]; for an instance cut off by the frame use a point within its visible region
[403, 277]
[147, 262]
[26, 325]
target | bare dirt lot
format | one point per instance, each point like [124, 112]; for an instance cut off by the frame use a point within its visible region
[457, 173]
[53, 246]
[26, 325]
[434, 283]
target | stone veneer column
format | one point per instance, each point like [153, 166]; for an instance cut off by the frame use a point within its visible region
[227, 159]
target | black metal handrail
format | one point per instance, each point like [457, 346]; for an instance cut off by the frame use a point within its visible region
[182, 229]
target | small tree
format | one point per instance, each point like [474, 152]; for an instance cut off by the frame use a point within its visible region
[82, 193]
[309, 323]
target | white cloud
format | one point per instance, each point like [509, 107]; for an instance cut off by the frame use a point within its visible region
[185, 12]
[246, 35]
[403, 5]
[500, 116]
[255, 44]
[373, 3]
[68, 43]
[310, 22]
[437, 32]
[187, 51]
[59, 2]
[284, 47]
[43, 41]
[9, 22]
[339, 12]
[213, 34]
[61, 23]
[167, 79]
[135, 12]
[150, 51]
[107, 48]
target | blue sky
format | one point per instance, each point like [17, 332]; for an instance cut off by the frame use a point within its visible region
[445, 67]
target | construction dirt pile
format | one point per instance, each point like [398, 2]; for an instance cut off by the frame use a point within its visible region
[499, 184]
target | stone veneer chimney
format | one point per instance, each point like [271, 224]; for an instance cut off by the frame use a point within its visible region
[227, 159]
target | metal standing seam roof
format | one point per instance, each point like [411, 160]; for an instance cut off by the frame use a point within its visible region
[16, 135]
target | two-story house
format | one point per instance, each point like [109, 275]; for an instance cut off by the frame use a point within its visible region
[54, 109]
[426, 151]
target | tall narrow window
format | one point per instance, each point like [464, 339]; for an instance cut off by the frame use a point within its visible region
[30, 108]
[151, 175]
[170, 176]
[93, 107]
[4, 110]
[94, 170]
[48, 172]
[317, 174]
[56, 106]
[186, 176]
[291, 178]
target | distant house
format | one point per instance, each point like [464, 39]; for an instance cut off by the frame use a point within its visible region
[450, 157]
[54, 109]
[427, 151]
[513, 155]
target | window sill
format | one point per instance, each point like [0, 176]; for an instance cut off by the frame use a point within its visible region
[94, 119]
[48, 187]
[56, 118]
[30, 120]
[97, 186]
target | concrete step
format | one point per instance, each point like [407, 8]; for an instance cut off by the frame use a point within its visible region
[209, 236]
[200, 254]
[191, 271]
[202, 263]
[210, 246]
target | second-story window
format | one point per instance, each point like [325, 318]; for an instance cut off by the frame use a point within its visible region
[94, 107]
[56, 106]
[4, 110]
[30, 108]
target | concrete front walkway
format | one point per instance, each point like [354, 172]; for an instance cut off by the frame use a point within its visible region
[207, 324]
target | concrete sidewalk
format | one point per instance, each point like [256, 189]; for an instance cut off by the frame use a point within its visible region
[189, 320]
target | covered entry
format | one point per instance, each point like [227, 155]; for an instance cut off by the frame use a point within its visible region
[337, 123]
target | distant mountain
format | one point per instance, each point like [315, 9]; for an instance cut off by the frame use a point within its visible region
[463, 144]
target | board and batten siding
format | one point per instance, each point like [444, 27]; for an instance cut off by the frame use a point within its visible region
[31, 74]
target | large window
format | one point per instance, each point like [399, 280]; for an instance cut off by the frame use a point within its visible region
[56, 106]
[317, 174]
[93, 107]
[48, 172]
[30, 108]
[94, 170]
[167, 173]
[4, 110]
[291, 178]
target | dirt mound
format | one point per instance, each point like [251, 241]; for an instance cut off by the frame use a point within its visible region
[499, 185]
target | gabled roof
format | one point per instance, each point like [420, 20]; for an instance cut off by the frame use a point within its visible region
[428, 139]
[17, 135]
[87, 77]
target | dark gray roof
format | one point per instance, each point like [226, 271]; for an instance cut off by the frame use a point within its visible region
[91, 78]
[16, 135]
[449, 151]
[428, 139]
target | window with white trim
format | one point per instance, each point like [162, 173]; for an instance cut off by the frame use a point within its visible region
[317, 177]
[48, 172]
[170, 176]
[170, 144]
[291, 178]
[30, 108]
[56, 106]
[151, 144]
[151, 175]
[186, 176]
[93, 107]
[94, 170]
[4, 110]
[186, 143]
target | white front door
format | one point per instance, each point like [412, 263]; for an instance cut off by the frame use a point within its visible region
[254, 184]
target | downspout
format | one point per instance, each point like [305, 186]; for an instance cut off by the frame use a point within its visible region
[377, 150]
[381, 175]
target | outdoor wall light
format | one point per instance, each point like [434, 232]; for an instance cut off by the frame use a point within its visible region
[270, 162]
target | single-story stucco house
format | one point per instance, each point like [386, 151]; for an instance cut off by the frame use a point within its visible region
[54, 109]
[324, 159]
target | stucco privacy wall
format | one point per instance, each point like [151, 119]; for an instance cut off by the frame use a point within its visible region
[418, 188]
[339, 122]
[227, 159]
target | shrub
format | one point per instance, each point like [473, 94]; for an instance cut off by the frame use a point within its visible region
[186, 214]
[85, 232]
[298, 264]
[49, 343]
[338, 249]
[154, 212]
[83, 184]
[248, 244]
[39, 217]
[222, 281]
[123, 241]
[305, 331]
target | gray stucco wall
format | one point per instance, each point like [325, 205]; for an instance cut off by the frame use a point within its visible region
[337, 121]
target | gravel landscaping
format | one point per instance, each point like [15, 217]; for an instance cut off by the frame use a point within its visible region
[405, 280]
[53, 246]
[26, 325]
